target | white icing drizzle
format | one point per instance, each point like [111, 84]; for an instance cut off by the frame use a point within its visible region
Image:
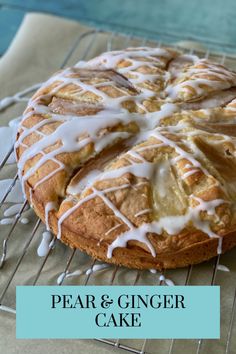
[112, 229]
[189, 173]
[142, 212]
[111, 59]
[78, 272]
[74, 274]
[24, 221]
[220, 78]
[209, 206]
[72, 127]
[84, 182]
[7, 309]
[172, 225]
[7, 221]
[182, 154]
[96, 268]
[162, 277]
[61, 277]
[12, 210]
[166, 281]
[18, 97]
[44, 244]
[223, 268]
[169, 282]
[153, 271]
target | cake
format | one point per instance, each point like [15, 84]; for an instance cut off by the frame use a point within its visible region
[131, 157]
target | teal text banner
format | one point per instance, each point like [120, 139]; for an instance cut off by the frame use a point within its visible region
[118, 312]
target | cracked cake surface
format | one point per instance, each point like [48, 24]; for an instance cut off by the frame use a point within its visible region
[131, 157]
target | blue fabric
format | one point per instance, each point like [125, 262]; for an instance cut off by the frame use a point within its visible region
[209, 21]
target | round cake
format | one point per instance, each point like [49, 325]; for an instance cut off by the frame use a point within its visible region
[131, 157]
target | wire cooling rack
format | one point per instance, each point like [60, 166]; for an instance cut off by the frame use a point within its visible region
[13, 262]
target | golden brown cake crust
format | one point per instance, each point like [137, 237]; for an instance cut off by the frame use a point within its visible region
[134, 257]
[131, 157]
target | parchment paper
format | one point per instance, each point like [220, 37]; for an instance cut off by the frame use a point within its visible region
[38, 50]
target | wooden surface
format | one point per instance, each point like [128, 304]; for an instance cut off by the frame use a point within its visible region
[211, 21]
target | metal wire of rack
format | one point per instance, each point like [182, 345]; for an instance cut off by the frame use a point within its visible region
[88, 39]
